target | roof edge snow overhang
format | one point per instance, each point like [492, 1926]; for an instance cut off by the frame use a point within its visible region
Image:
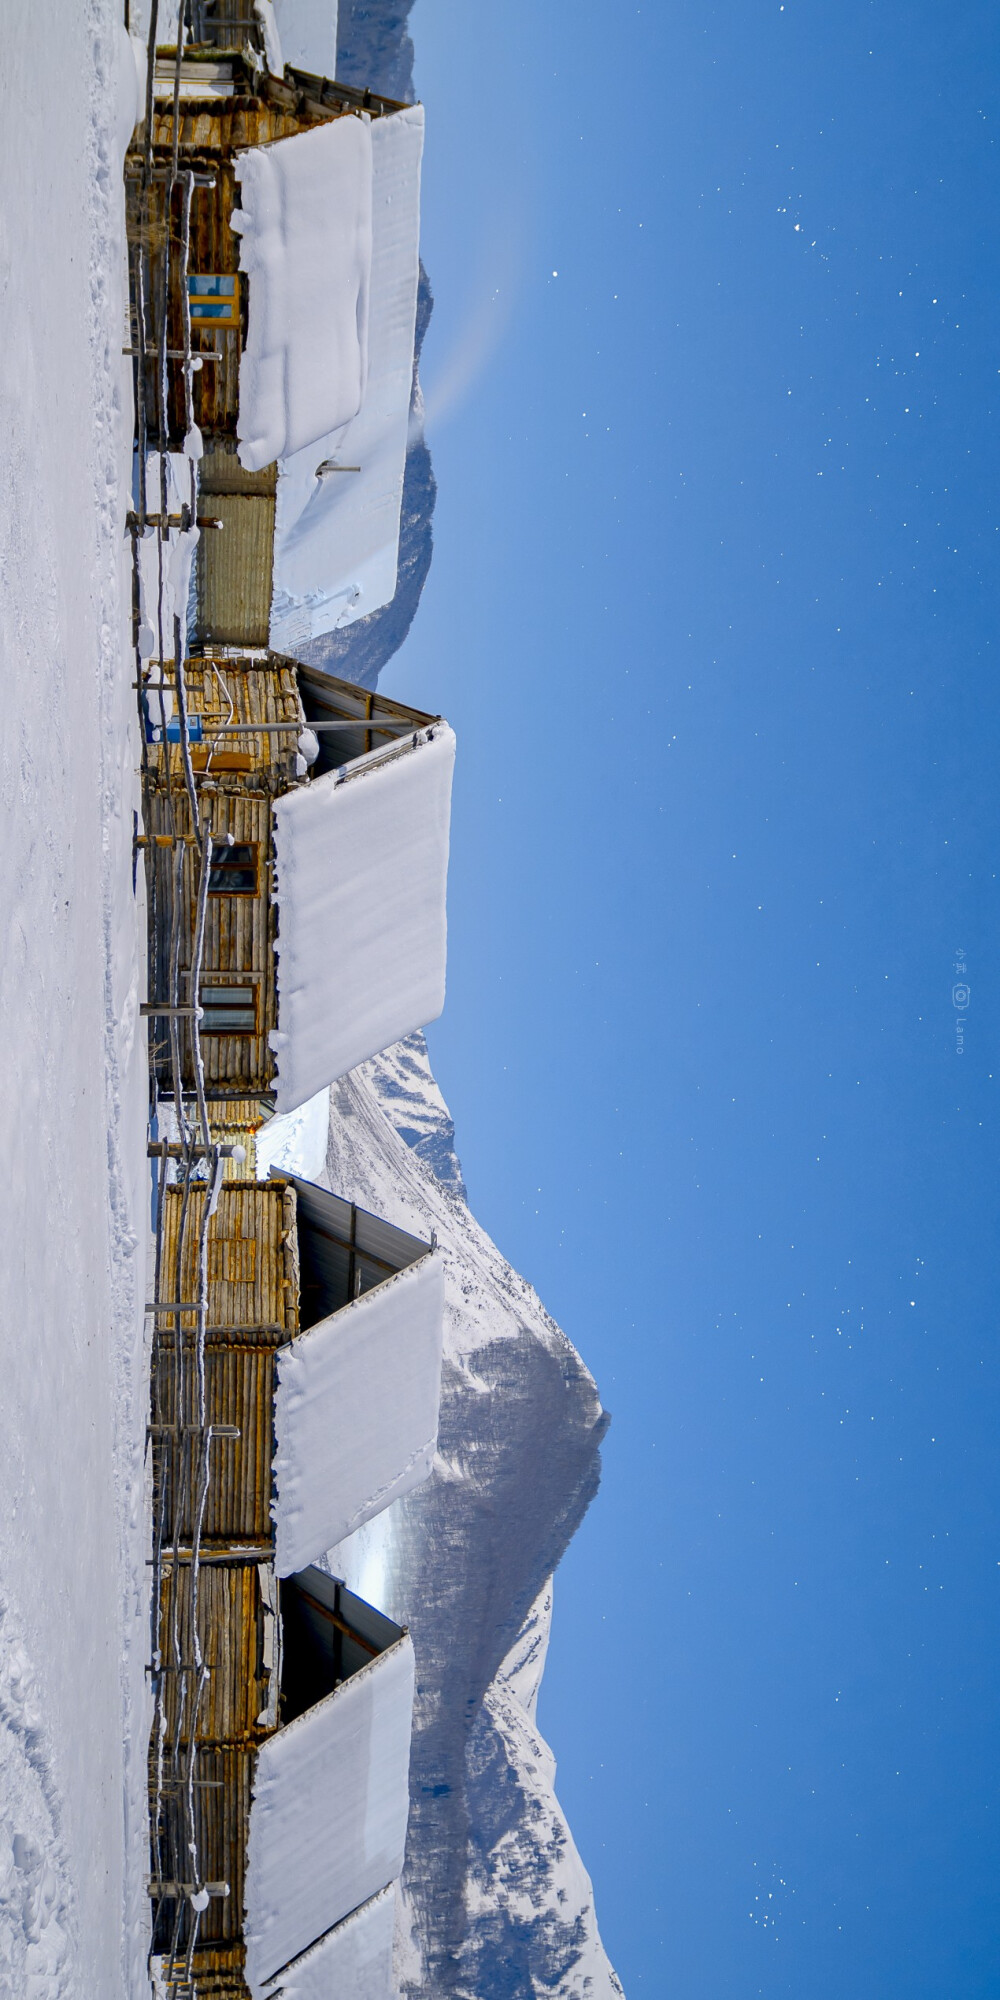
[353, 1958]
[362, 867]
[309, 1867]
[356, 1412]
[305, 224]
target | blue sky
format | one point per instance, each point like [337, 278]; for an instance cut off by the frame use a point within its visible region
[712, 382]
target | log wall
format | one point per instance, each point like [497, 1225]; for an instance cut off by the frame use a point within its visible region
[253, 1309]
[238, 777]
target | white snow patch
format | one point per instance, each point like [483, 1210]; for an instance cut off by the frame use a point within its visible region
[165, 564]
[167, 16]
[362, 1560]
[328, 1820]
[524, 1666]
[309, 34]
[306, 228]
[336, 544]
[295, 1141]
[268, 24]
[362, 863]
[356, 1412]
[499, 1878]
[37, 1918]
[131, 80]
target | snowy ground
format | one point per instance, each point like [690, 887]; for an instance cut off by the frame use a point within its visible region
[72, 1580]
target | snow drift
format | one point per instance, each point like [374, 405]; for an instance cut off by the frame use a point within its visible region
[165, 565]
[308, 31]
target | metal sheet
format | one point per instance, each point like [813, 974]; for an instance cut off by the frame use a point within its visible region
[344, 1251]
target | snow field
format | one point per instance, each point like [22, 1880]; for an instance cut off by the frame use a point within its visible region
[72, 1577]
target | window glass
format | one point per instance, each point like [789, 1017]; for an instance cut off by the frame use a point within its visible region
[211, 284]
[228, 1010]
[214, 295]
[234, 869]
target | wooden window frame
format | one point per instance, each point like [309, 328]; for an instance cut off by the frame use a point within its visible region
[253, 846]
[214, 984]
[196, 299]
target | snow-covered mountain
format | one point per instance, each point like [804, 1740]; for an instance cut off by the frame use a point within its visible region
[497, 1903]
[374, 46]
[358, 652]
[374, 49]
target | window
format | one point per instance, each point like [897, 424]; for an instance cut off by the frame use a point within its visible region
[234, 869]
[228, 1010]
[214, 298]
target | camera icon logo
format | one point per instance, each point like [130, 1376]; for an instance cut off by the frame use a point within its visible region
[960, 995]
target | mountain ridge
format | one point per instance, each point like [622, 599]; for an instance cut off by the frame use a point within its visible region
[496, 1902]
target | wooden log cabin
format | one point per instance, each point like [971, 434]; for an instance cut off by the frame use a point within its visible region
[343, 351]
[299, 1819]
[324, 1352]
[304, 30]
[325, 931]
[322, 1373]
[229, 105]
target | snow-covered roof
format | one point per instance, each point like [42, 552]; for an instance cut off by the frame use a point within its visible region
[356, 1412]
[337, 537]
[306, 228]
[308, 30]
[328, 1819]
[266, 17]
[362, 864]
[354, 1959]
